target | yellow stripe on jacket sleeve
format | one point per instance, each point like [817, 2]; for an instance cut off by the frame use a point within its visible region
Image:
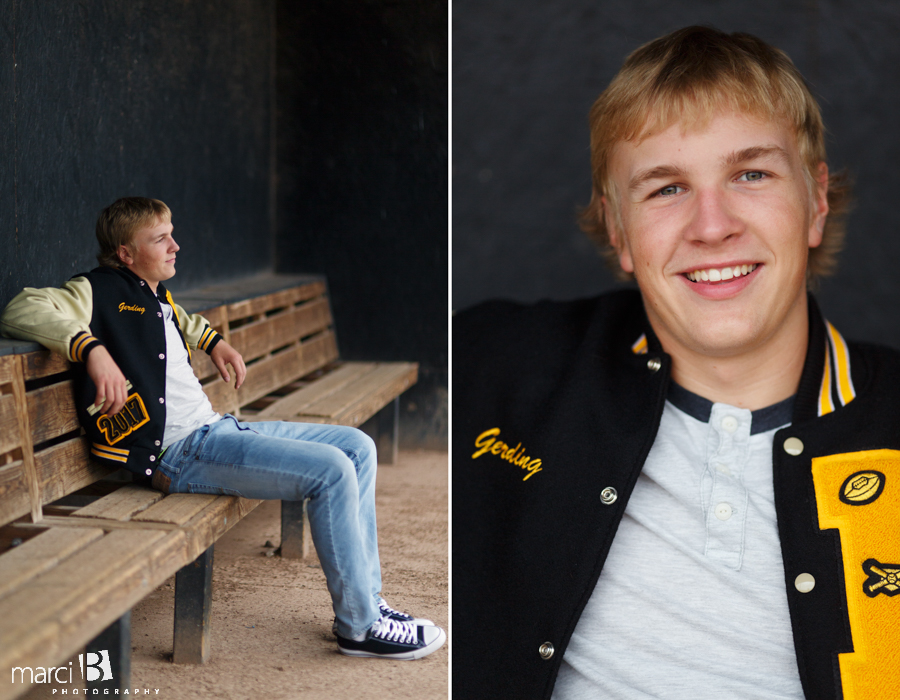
[640, 345]
[206, 339]
[843, 380]
[826, 405]
[78, 347]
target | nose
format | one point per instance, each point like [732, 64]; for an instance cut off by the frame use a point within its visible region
[175, 247]
[714, 220]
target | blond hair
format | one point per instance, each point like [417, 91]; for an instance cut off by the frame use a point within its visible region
[688, 76]
[123, 218]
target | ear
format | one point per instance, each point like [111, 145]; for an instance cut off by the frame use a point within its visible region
[616, 238]
[820, 207]
[125, 255]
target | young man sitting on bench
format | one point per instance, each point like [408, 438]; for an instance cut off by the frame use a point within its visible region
[143, 409]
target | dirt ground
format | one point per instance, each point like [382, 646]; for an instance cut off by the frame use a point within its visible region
[271, 617]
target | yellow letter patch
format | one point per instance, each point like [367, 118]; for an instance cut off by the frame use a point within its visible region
[859, 494]
[487, 442]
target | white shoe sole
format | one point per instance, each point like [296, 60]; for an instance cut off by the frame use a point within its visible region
[401, 656]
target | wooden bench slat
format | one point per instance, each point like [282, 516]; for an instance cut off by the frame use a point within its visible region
[51, 412]
[37, 639]
[274, 372]
[7, 368]
[121, 504]
[9, 439]
[42, 553]
[295, 402]
[43, 364]
[207, 526]
[361, 400]
[176, 508]
[65, 468]
[14, 499]
[259, 305]
[261, 337]
[65, 586]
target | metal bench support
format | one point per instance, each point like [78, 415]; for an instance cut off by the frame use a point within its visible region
[113, 645]
[295, 537]
[193, 599]
[387, 434]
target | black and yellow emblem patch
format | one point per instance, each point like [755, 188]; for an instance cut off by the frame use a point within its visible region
[125, 422]
[868, 537]
[862, 488]
[883, 578]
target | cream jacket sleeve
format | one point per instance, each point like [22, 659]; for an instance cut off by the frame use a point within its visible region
[50, 316]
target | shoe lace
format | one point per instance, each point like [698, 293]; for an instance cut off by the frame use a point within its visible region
[395, 631]
[388, 610]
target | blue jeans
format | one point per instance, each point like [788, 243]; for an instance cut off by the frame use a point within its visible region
[332, 465]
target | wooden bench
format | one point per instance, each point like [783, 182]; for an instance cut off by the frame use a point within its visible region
[80, 545]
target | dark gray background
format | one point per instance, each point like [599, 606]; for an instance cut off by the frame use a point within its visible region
[525, 74]
[289, 136]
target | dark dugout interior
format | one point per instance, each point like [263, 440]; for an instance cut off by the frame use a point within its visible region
[525, 74]
[294, 137]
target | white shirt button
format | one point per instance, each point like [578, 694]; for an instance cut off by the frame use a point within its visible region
[161, 356]
[149, 471]
[723, 469]
[805, 583]
[723, 511]
[159, 313]
[156, 442]
[152, 458]
[142, 283]
[729, 424]
[161, 399]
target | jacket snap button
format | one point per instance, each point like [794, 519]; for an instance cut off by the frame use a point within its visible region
[148, 472]
[546, 650]
[653, 364]
[805, 583]
[793, 446]
[608, 495]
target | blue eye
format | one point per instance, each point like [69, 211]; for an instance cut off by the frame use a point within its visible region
[670, 190]
[752, 176]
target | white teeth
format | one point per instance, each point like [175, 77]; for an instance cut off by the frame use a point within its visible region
[718, 275]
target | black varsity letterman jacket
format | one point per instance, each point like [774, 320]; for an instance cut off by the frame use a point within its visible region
[112, 306]
[555, 408]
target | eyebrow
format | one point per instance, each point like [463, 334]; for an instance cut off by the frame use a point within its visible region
[661, 172]
[755, 152]
[658, 172]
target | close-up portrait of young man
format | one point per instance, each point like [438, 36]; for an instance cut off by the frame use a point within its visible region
[686, 487]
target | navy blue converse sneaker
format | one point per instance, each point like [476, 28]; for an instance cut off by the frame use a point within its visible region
[392, 639]
[388, 611]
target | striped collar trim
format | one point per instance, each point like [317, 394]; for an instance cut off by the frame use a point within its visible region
[639, 347]
[836, 388]
[837, 382]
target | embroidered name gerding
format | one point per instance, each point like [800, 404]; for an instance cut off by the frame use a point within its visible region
[487, 442]
[134, 307]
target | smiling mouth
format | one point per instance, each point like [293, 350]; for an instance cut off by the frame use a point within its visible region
[714, 275]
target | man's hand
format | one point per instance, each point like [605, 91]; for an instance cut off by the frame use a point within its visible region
[223, 354]
[109, 380]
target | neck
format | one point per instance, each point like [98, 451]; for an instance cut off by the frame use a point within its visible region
[752, 379]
